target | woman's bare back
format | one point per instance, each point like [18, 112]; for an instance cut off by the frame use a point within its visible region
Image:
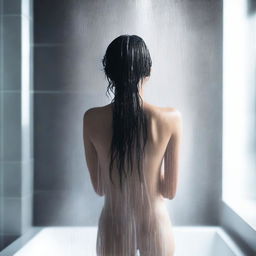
[136, 218]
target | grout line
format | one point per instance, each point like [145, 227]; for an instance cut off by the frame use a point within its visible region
[11, 162]
[46, 45]
[19, 197]
[17, 15]
[10, 91]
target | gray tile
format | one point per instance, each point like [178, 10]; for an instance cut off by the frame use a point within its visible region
[70, 21]
[8, 239]
[12, 179]
[26, 129]
[1, 124]
[12, 126]
[27, 211]
[31, 10]
[65, 208]
[57, 28]
[59, 153]
[31, 61]
[1, 52]
[1, 7]
[27, 177]
[12, 6]
[1, 181]
[12, 52]
[12, 216]
[26, 137]
[52, 68]
[1, 214]
[1, 242]
[67, 68]
[31, 31]
[31, 126]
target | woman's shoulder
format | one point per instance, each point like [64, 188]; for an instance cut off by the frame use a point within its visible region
[97, 115]
[96, 110]
[162, 111]
[156, 112]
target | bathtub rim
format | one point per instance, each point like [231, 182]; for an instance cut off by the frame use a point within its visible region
[17, 244]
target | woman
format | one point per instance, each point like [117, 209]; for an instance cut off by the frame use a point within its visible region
[132, 153]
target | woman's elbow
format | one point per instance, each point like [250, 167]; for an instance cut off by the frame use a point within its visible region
[169, 194]
[99, 191]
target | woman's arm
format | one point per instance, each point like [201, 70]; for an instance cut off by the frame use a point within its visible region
[169, 179]
[91, 155]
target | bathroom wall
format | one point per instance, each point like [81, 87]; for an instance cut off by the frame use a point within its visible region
[70, 37]
[16, 120]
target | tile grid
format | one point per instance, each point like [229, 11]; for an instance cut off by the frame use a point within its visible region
[9, 201]
[6, 235]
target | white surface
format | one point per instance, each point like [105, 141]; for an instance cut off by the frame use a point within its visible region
[81, 241]
[239, 98]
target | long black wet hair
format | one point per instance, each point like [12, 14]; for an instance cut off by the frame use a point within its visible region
[126, 61]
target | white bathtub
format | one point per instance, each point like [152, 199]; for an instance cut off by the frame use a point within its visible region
[81, 241]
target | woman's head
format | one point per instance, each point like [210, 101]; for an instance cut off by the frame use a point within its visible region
[127, 58]
[126, 63]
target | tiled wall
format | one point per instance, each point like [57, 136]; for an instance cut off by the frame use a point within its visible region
[16, 127]
[185, 41]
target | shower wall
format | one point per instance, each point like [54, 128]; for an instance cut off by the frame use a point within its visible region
[70, 37]
[16, 120]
